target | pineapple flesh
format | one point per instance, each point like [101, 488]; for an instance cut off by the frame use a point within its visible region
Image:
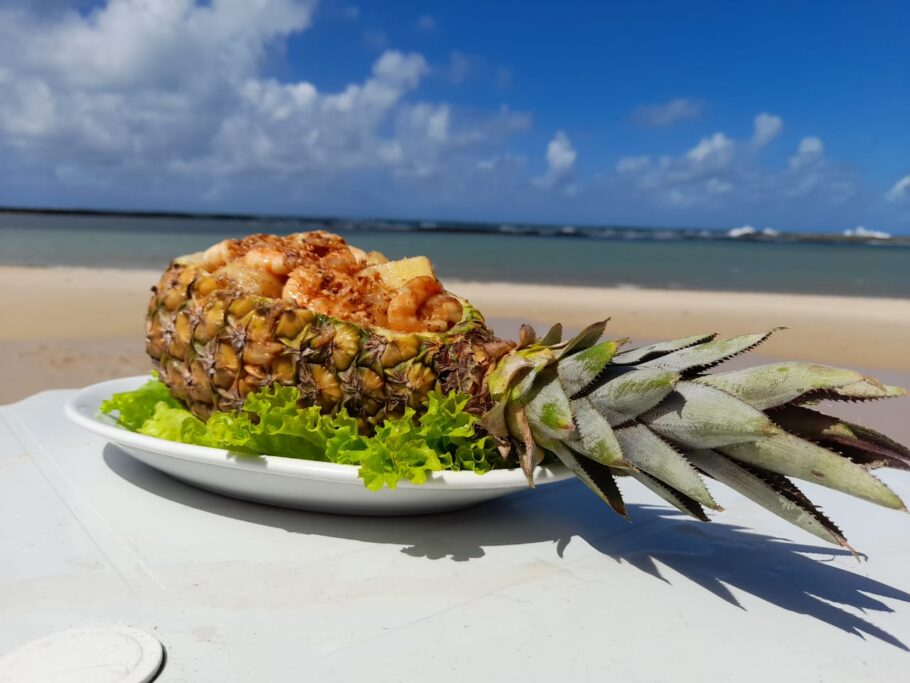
[353, 330]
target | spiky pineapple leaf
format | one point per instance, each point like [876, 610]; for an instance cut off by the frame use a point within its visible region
[540, 358]
[511, 382]
[677, 499]
[772, 491]
[708, 354]
[866, 389]
[581, 369]
[655, 412]
[512, 368]
[775, 384]
[595, 476]
[552, 337]
[526, 336]
[795, 457]
[863, 445]
[647, 451]
[530, 454]
[548, 408]
[494, 420]
[625, 393]
[587, 337]
[645, 353]
[699, 416]
[593, 435]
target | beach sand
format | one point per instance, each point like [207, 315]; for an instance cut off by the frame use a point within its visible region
[68, 327]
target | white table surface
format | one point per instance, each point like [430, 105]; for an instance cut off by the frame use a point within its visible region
[545, 585]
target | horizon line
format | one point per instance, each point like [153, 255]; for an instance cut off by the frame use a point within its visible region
[425, 223]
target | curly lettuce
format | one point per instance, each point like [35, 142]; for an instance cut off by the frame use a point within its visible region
[271, 422]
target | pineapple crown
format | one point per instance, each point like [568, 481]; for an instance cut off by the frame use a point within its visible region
[651, 413]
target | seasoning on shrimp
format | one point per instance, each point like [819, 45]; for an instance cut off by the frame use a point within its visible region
[320, 272]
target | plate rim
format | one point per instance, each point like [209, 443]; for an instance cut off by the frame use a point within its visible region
[82, 408]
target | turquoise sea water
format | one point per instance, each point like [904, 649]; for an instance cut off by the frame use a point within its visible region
[137, 242]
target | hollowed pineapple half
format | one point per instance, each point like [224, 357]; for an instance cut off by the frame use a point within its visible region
[352, 330]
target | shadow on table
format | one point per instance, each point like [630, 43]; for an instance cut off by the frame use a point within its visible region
[716, 556]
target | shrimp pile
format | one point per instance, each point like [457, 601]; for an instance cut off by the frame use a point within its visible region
[320, 271]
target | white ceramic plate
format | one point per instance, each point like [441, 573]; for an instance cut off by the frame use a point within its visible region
[302, 484]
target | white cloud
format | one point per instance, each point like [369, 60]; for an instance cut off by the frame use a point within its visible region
[459, 66]
[809, 148]
[101, 107]
[115, 83]
[141, 43]
[400, 69]
[716, 150]
[809, 153]
[716, 186]
[900, 190]
[561, 156]
[633, 164]
[766, 128]
[810, 173]
[668, 113]
[426, 24]
[286, 127]
[722, 172]
[90, 94]
[719, 171]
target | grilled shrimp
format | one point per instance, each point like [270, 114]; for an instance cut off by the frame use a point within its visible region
[422, 305]
[439, 311]
[219, 254]
[270, 260]
[371, 258]
[305, 287]
[359, 255]
[341, 261]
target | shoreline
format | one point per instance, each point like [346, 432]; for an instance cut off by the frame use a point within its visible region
[68, 327]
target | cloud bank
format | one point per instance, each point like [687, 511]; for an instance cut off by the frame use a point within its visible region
[668, 113]
[176, 104]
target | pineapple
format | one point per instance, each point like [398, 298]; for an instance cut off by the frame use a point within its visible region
[355, 331]
[395, 274]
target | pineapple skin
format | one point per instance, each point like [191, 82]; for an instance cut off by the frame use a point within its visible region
[213, 346]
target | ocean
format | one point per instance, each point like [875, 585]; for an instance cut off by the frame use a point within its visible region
[625, 257]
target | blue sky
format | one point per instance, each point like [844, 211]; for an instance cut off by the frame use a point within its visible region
[784, 115]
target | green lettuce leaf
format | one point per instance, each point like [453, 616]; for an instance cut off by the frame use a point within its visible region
[134, 408]
[272, 423]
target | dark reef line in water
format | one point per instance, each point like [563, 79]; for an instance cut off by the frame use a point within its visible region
[283, 224]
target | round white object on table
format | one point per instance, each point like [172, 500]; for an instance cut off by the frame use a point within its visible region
[111, 654]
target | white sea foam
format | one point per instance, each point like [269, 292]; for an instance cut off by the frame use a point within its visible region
[741, 232]
[747, 230]
[860, 231]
